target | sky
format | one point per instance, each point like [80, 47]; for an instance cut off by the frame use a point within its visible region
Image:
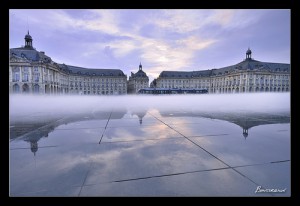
[162, 40]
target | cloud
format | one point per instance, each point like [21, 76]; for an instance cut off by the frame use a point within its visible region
[181, 21]
[235, 19]
[161, 39]
[160, 53]
[177, 55]
[222, 17]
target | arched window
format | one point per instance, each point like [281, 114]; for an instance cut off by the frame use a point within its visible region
[16, 88]
[36, 88]
[25, 88]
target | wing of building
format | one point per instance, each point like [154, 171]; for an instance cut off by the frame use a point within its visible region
[247, 76]
[32, 71]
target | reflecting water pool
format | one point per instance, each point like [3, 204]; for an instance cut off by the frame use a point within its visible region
[126, 150]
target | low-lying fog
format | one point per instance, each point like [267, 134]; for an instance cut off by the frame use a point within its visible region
[20, 105]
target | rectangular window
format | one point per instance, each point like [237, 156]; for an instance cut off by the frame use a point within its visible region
[36, 77]
[25, 77]
[16, 77]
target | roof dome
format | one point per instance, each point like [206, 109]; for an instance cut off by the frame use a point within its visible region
[248, 51]
[27, 36]
[140, 73]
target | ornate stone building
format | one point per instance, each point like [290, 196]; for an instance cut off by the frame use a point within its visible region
[138, 81]
[32, 71]
[247, 76]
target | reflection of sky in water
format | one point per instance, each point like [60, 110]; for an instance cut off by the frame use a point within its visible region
[149, 151]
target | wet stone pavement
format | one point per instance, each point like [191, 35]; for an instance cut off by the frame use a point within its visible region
[150, 153]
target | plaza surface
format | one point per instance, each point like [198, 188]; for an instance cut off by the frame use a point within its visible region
[149, 152]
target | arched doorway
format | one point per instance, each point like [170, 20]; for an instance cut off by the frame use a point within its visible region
[256, 89]
[25, 88]
[47, 89]
[36, 88]
[250, 89]
[267, 89]
[16, 88]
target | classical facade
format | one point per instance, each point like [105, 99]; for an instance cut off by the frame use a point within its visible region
[32, 71]
[247, 76]
[138, 81]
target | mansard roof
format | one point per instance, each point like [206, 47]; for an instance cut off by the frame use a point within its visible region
[91, 72]
[30, 54]
[185, 74]
[251, 64]
[140, 73]
[247, 64]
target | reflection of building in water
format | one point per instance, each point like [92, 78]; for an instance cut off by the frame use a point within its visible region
[245, 132]
[34, 146]
[34, 131]
[244, 120]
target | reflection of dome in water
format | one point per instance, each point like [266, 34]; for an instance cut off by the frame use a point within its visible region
[34, 147]
[141, 117]
[140, 114]
[245, 132]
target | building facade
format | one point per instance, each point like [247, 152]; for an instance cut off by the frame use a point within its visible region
[247, 76]
[32, 71]
[138, 81]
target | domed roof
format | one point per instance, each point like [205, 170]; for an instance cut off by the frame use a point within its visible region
[248, 51]
[140, 73]
[27, 36]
